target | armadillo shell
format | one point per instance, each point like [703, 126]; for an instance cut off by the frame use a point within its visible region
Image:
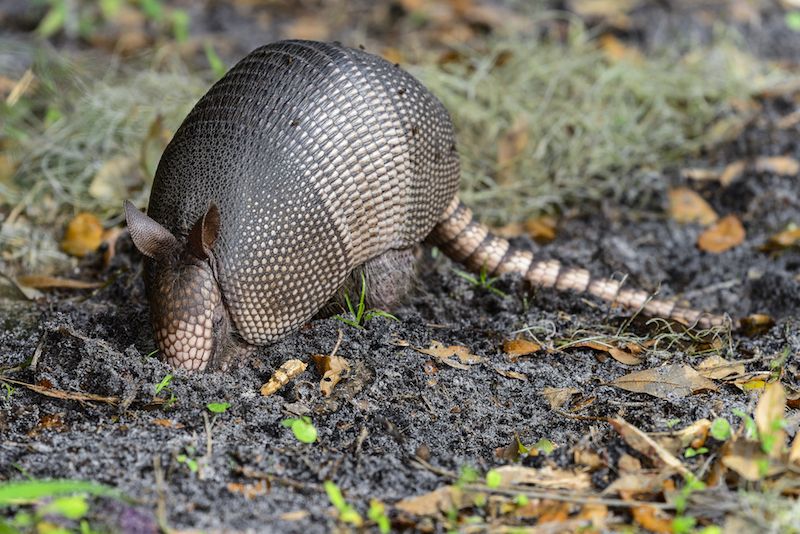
[319, 158]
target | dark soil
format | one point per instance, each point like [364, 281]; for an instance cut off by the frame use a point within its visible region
[396, 403]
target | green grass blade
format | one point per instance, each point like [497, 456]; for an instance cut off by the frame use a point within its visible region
[29, 491]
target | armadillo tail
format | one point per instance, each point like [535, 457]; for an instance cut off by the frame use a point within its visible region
[470, 243]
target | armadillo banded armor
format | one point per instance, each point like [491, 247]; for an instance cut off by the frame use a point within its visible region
[319, 158]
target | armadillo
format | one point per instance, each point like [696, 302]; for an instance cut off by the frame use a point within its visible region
[306, 162]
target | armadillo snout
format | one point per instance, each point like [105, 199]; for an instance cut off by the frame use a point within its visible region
[183, 306]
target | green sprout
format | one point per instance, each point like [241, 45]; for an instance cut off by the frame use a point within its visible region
[218, 407]
[302, 428]
[482, 281]
[720, 429]
[360, 314]
[347, 514]
[188, 459]
[377, 514]
[166, 386]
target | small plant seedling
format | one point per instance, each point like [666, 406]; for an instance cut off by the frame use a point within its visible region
[165, 386]
[483, 281]
[214, 61]
[377, 514]
[691, 452]
[218, 407]
[9, 390]
[493, 479]
[188, 459]
[720, 429]
[360, 314]
[347, 514]
[302, 428]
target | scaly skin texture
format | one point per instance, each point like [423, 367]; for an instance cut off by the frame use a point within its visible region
[305, 162]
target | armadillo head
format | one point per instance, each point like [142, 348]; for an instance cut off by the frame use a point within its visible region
[189, 318]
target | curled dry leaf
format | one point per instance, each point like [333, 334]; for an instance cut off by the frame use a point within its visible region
[627, 355]
[668, 382]
[782, 165]
[282, 375]
[769, 417]
[520, 347]
[332, 368]
[443, 354]
[542, 229]
[558, 397]
[756, 324]
[782, 240]
[687, 206]
[647, 445]
[512, 374]
[652, 519]
[631, 484]
[167, 423]
[718, 368]
[724, 235]
[731, 172]
[249, 491]
[83, 235]
[439, 500]
[588, 458]
[747, 460]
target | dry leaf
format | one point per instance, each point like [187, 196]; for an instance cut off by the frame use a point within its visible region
[558, 397]
[624, 357]
[724, 235]
[332, 368]
[588, 458]
[108, 183]
[520, 347]
[37, 281]
[167, 423]
[544, 477]
[756, 324]
[647, 445]
[700, 175]
[628, 463]
[631, 484]
[282, 375]
[667, 382]
[512, 374]
[443, 354]
[782, 165]
[731, 172]
[718, 368]
[676, 441]
[295, 515]
[438, 500]
[687, 206]
[652, 519]
[84, 234]
[748, 460]
[613, 13]
[615, 50]
[249, 491]
[782, 240]
[509, 147]
[769, 416]
[794, 451]
[542, 229]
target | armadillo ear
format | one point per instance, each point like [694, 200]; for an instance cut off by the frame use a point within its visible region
[152, 239]
[204, 233]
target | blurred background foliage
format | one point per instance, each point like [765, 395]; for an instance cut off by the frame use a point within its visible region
[557, 104]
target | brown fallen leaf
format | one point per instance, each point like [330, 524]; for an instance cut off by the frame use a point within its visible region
[747, 460]
[544, 477]
[83, 235]
[724, 235]
[769, 417]
[587, 457]
[541, 229]
[282, 375]
[794, 451]
[332, 368]
[294, 515]
[718, 368]
[510, 146]
[647, 446]
[782, 165]
[624, 357]
[443, 354]
[782, 240]
[731, 172]
[687, 206]
[752, 381]
[756, 324]
[700, 175]
[512, 374]
[432, 503]
[676, 441]
[167, 423]
[652, 519]
[108, 183]
[249, 491]
[520, 347]
[629, 464]
[558, 397]
[673, 381]
[632, 484]
[38, 281]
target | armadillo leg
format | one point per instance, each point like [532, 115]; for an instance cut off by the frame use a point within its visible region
[467, 241]
[388, 279]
